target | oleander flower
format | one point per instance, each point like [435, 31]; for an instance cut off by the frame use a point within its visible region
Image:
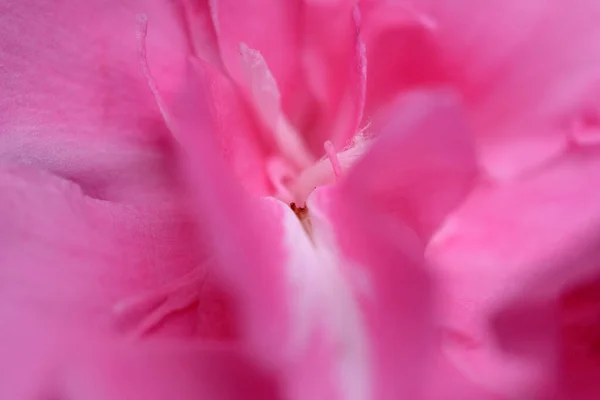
[298, 199]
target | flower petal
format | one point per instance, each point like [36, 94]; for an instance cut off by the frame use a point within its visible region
[422, 164]
[244, 232]
[334, 63]
[47, 361]
[75, 101]
[70, 257]
[401, 51]
[379, 254]
[74, 66]
[375, 307]
[506, 258]
[528, 71]
[272, 28]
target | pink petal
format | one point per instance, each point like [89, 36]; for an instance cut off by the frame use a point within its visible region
[279, 280]
[244, 232]
[579, 327]
[71, 257]
[376, 311]
[528, 71]
[270, 27]
[201, 31]
[371, 262]
[45, 361]
[335, 66]
[506, 258]
[401, 51]
[74, 67]
[236, 131]
[74, 100]
[422, 165]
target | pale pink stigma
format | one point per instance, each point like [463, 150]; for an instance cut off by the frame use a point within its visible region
[333, 159]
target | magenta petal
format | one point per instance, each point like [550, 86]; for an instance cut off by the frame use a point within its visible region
[71, 257]
[77, 364]
[236, 130]
[269, 26]
[246, 233]
[401, 51]
[422, 163]
[379, 257]
[528, 71]
[379, 291]
[334, 63]
[74, 100]
[507, 259]
[74, 67]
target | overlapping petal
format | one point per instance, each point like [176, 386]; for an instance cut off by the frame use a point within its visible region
[508, 277]
[50, 360]
[73, 257]
[528, 72]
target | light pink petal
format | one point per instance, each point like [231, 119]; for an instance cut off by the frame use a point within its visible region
[422, 165]
[506, 259]
[71, 257]
[74, 67]
[45, 361]
[401, 51]
[74, 99]
[236, 130]
[244, 232]
[266, 259]
[529, 72]
[375, 311]
[201, 31]
[335, 65]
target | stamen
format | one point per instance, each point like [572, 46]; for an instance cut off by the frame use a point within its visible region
[141, 33]
[266, 100]
[333, 159]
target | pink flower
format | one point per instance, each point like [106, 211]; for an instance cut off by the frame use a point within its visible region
[427, 147]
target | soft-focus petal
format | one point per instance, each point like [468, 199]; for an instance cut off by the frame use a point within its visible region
[375, 305]
[74, 100]
[528, 71]
[73, 257]
[271, 27]
[423, 162]
[335, 65]
[401, 51]
[235, 129]
[198, 18]
[379, 254]
[506, 258]
[298, 309]
[244, 232]
[74, 66]
[58, 362]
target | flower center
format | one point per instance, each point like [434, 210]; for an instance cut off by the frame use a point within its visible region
[302, 214]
